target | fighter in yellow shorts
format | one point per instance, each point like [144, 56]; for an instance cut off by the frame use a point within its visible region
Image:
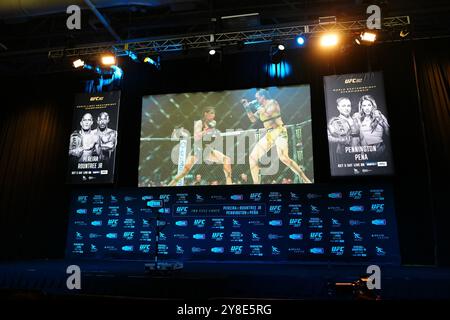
[269, 114]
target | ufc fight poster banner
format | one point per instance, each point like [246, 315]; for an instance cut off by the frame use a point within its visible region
[358, 125]
[93, 140]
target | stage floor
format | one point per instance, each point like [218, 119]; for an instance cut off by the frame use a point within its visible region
[212, 280]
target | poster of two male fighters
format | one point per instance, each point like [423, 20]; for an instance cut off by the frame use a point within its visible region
[253, 136]
[358, 125]
[93, 140]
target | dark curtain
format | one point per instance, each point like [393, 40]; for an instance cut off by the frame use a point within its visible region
[433, 74]
[33, 128]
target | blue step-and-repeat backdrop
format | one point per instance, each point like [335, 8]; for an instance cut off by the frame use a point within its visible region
[305, 223]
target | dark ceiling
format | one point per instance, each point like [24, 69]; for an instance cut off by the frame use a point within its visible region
[19, 31]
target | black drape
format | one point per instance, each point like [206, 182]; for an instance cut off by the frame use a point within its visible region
[32, 167]
[433, 77]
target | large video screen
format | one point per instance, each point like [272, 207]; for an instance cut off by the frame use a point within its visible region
[252, 136]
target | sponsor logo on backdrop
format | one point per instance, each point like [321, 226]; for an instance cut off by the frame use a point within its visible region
[144, 248]
[197, 250]
[255, 237]
[273, 236]
[337, 250]
[315, 223]
[295, 222]
[237, 250]
[82, 199]
[217, 236]
[181, 223]
[296, 236]
[377, 207]
[317, 251]
[316, 236]
[237, 236]
[379, 222]
[179, 249]
[129, 235]
[256, 250]
[335, 195]
[275, 250]
[200, 223]
[81, 211]
[276, 223]
[256, 196]
[337, 237]
[357, 208]
[285, 230]
[275, 209]
[218, 250]
[355, 195]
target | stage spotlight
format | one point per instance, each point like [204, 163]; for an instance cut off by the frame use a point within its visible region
[404, 33]
[369, 36]
[300, 40]
[276, 54]
[133, 56]
[108, 60]
[78, 63]
[366, 38]
[155, 61]
[118, 73]
[149, 60]
[215, 57]
[89, 67]
[329, 40]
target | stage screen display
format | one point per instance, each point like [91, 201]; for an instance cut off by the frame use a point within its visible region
[358, 125]
[252, 136]
[93, 140]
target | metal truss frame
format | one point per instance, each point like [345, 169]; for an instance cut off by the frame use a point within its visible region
[158, 45]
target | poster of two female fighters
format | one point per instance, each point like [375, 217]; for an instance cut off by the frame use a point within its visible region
[93, 139]
[358, 126]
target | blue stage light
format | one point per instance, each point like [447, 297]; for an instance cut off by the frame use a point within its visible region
[154, 61]
[280, 70]
[300, 40]
[132, 55]
[88, 67]
[149, 61]
[118, 73]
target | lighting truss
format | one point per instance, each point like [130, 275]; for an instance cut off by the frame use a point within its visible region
[159, 45]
